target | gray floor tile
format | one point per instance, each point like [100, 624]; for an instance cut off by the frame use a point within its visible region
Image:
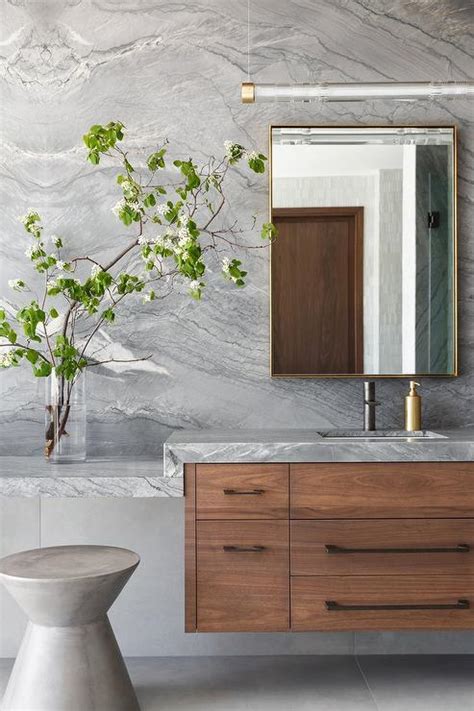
[244, 683]
[420, 683]
[250, 683]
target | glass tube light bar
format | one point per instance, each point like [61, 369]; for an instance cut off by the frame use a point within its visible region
[388, 91]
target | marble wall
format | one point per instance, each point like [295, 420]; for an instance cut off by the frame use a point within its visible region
[173, 69]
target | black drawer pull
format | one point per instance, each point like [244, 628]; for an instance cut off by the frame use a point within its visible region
[243, 549]
[332, 606]
[244, 492]
[460, 548]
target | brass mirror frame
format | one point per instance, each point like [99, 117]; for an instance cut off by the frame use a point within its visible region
[455, 372]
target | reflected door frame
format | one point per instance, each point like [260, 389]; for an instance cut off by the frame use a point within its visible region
[356, 214]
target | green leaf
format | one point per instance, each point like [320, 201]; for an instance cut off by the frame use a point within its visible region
[268, 231]
[32, 355]
[53, 313]
[43, 369]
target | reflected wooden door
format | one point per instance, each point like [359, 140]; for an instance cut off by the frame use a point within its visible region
[317, 291]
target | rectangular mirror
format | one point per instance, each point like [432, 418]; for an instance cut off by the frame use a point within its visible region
[363, 271]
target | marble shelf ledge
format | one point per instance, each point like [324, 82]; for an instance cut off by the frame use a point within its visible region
[99, 477]
[296, 445]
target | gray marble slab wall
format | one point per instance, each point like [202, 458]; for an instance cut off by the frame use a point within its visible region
[168, 69]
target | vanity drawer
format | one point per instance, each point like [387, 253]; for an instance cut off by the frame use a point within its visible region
[242, 576]
[375, 547]
[425, 602]
[242, 491]
[382, 490]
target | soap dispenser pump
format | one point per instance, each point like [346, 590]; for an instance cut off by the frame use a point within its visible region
[413, 409]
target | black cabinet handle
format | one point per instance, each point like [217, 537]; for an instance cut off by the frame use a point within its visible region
[332, 606]
[243, 549]
[244, 492]
[460, 548]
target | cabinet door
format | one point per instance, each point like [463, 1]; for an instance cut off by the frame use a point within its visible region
[384, 602]
[242, 491]
[382, 490]
[411, 546]
[242, 576]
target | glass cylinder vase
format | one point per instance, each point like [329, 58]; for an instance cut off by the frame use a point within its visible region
[65, 419]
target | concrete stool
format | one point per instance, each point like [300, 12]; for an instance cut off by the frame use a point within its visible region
[69, 659]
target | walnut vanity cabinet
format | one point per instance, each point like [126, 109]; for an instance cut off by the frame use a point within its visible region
[329, 546]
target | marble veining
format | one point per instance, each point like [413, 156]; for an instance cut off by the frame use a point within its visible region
[32, 476]
[173, 70]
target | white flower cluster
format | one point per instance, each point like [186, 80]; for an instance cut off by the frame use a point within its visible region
[56, 241]
[30, 251]
[118, 207]
[194, 284]
[16, 284]
[229, 145]
[60, 265]
[162, 209]
[230, 149]
[226, 265]
[25, 218]
[96, 269]
[7, 359]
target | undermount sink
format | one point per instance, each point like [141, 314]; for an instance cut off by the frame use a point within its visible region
[380, 434]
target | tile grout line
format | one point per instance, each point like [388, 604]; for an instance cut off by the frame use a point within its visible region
[364, 677]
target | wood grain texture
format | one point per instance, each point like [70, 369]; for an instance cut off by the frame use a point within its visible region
[242, 591]
[309, 538]
[270, 479]
[190, 548]
[317, 291]
[308, 596]
[382, 490]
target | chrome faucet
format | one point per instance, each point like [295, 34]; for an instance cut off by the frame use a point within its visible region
[370, 403]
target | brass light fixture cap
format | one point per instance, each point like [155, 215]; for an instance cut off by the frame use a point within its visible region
[248, 92]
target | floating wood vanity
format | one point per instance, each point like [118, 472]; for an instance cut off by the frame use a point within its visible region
[329, 546]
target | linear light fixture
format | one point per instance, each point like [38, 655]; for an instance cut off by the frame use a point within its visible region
[395, 91]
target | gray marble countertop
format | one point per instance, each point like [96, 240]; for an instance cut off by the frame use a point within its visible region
[219, 446]
[33, 476]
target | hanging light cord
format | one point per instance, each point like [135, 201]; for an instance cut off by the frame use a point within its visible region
[248, 40]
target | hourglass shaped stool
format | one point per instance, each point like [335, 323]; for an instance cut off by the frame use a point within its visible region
[69, 659]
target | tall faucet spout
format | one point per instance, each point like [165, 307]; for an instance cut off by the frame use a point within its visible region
[370, 403]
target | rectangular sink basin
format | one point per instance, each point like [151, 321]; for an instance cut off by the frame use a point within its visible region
[380, 434]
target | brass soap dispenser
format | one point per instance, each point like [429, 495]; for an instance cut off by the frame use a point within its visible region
[413, 409]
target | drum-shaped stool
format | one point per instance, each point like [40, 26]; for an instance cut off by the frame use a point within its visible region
[69, 659]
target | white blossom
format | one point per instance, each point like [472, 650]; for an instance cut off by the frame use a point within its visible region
[143, 239]
[7, 359]
[184, 220]
[56, 240]
[118, 207]
[60, 264]
[24, 218]
[52, 283]
[194, 284]
[29, 252]
[252, 155]
[150, 296]
[96, 269]
[16, 284]
[226, 265]
[162, 209]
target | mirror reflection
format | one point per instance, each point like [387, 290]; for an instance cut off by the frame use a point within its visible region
[363, 270]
